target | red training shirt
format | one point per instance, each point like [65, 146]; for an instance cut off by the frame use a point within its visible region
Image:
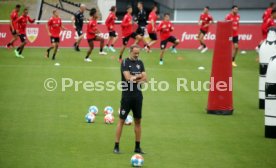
[55, 25]
[21, 23]
[110, 21]
[205, 19]
[266, 25]
[165, 27]
[152, 16]
[13, 17]
[126, 25]
[235, 19]
[91, 29]
[267, 14]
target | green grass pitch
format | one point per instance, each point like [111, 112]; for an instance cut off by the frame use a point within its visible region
[47, 129]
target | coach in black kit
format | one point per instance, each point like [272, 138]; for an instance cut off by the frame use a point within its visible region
[78, 19]
[133, 75]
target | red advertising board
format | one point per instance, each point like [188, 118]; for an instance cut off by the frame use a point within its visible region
[249, 35]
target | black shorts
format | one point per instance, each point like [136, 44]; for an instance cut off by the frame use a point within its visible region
[203, 32]
[13, 32]
[131, 103]
[125, 39]
[79, 31]
[153, 36]
[140, 31]
[163, 43]
[235, 39]
[112, 34]
[54, 39]
[91, 40]
[22, 37]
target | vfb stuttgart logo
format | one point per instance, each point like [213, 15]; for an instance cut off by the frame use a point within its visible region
[32, 34]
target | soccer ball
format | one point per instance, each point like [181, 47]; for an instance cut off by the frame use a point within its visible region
[108, 110]
[90, 117]
[109, 119]
[93, 109]
[137, 160]
[129, 120]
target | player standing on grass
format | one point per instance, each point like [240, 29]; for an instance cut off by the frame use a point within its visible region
[151, 27]
[13, 18]
[110, 24]
[127, 31]
[142, 22]
[205, 20]
[53, 28]
[165, 27]
[21, 24]
[235, 18]
[77, 21]
[133, 75]
[91, 34]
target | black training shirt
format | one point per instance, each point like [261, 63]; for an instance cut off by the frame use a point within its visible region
[142, 18]
[134, 67]
[79, 17]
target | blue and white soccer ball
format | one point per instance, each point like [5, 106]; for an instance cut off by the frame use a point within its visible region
[108, 110]
[129, 120]
[90, 117]
[137, 160]
[93, 109]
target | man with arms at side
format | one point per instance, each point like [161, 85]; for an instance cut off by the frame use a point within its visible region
[77, 21]
[235, 18]
[133, 75]
[53, 28]
[151, 27]
[110, 24]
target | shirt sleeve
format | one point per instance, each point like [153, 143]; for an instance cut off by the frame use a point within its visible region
[142, 67]
[31, 20]
[211, 19]
[227, 17]
[200, 17]
[49, 22]
[124, 66]
[13, 15]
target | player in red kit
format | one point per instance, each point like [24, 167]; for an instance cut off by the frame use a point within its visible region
[266, 16]
[13, 18]
[268, 23]
[151, 27]
[165, 27]
[53, 28]
[235, 18]
[127, 31]
[21, 24]
[205, 20]
[110, 24]
[267, 12]
[91, 34]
